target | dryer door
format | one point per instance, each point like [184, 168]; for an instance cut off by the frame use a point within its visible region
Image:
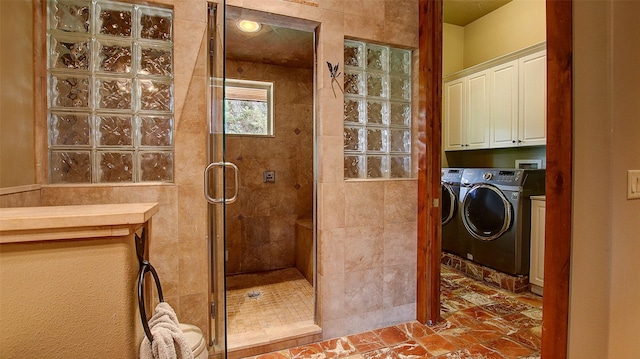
[448, 203]
[487, 213]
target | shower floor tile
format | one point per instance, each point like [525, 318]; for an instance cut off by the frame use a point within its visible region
[262, 301]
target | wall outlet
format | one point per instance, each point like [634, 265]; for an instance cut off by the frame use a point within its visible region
[633, 184]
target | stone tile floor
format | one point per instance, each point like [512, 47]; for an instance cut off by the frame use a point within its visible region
[480, 322]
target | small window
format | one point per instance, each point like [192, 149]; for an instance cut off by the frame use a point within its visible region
[248, 108]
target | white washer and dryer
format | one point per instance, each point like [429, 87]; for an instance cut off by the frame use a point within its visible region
[496, 215]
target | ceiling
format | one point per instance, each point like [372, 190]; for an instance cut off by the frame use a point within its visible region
[273, 45]
[464, 12]
[289, 42]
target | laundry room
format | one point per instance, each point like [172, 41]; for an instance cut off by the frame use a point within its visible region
[494, 143]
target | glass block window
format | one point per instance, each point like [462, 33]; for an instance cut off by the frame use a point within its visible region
[377, 111]
[110, 92]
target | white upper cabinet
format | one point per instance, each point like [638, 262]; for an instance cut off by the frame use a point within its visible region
[478, 104]
[453, 115]
[532, 127]
[466, 112]
[501, 106]
[504, 105]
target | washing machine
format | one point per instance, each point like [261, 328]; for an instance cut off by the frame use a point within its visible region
[496, 215]
[451, 222]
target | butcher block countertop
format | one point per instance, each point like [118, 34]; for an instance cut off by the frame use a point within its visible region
[27, 224]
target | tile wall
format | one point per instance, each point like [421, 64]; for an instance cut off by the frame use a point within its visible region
[366, 229]
[260, 225]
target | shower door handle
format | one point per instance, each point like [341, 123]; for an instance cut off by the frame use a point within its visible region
[207, 187]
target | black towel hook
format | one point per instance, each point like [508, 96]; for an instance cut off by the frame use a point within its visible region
[145, 267]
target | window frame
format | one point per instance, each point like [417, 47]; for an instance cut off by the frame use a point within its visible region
[252, 84]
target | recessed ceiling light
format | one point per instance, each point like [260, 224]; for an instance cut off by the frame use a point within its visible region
[248, 26]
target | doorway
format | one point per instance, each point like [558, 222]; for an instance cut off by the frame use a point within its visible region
[266, 142]
[559, 170]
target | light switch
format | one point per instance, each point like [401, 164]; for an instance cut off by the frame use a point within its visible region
[633, 184]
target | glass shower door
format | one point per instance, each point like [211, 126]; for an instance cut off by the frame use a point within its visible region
[214, 180]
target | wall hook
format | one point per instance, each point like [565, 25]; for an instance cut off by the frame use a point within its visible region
[333, 72]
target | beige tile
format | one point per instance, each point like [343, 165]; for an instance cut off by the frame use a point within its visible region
[188, 36]
[332, 51]
[193, 10]
[332, 27]
[192, 214]
[363, 248]
[336, 5]
[286, 8]
[400, 243]
[364, 203]
[31, 198]
[193, 114]
[331, 114]
[368, 26]
[400, 201]
[165, 222]
[363, 291]
[331, 205]
[402, 11]
[75, 195]
[330, 159]
[331, 251]
[399, 285]
[333, 296]
[190, 158]
[164, 257]
[401, 35]
[193, 267]
[194, 309]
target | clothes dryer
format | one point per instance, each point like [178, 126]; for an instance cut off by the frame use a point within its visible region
[452, 242]
[496, 215]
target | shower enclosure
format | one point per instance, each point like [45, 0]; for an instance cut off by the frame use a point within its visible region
[260, 181]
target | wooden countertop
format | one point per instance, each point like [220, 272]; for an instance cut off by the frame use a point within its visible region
[25, 224]
[539, 198]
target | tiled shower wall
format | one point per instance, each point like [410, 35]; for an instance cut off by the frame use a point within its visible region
[260, 225]
[366, 237]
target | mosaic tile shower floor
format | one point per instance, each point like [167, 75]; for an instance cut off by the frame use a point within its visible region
[481, 322]
[261, 301]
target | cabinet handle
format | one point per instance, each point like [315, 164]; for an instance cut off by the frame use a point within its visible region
[514, 141]
[519, 141]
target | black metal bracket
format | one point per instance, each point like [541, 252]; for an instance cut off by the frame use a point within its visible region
[145, 267]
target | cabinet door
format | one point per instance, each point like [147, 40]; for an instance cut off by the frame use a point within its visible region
[533, 99]
[453, 115]
[478, 104]
[536, 273]
[504, 105]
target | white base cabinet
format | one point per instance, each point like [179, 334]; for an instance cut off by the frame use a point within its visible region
[536, 268]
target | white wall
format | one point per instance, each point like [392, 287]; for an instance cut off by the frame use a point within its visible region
[604, 316]
[452, 49]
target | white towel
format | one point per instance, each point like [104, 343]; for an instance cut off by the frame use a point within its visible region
[169, 341]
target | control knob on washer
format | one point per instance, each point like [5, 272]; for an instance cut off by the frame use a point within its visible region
[487, 175]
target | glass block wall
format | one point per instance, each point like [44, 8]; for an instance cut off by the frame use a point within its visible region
[110, 92]
[377, 111]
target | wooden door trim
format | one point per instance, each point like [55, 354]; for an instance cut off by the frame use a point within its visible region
[429, 161]
[558, 180]
[555, 303]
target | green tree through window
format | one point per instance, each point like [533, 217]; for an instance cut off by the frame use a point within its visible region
[248, 108]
